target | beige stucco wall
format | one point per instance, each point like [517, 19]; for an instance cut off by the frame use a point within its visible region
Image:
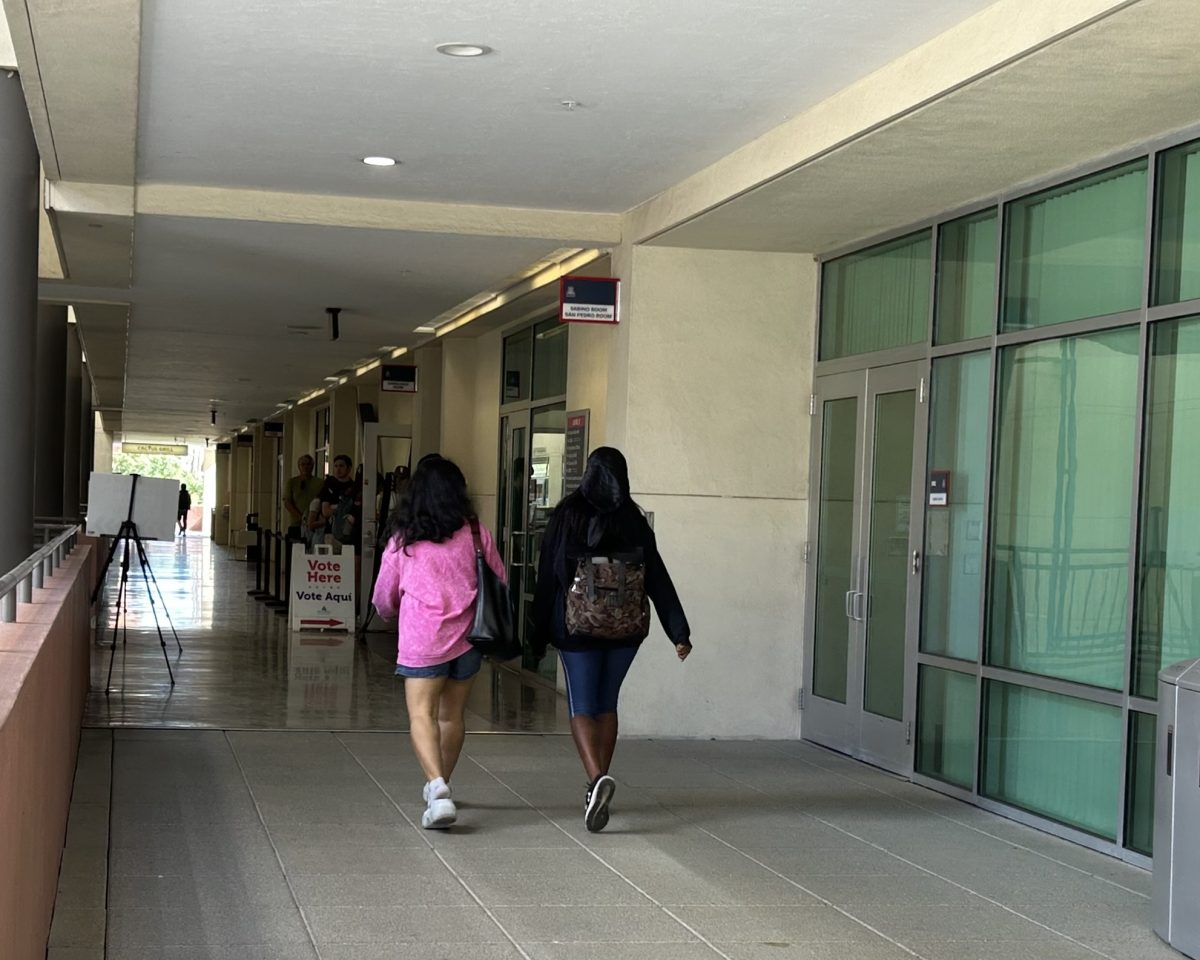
[709, 380]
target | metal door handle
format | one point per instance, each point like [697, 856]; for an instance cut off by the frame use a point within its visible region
[916, 562]
[849, 604]
[1170, 751]
[860, 606]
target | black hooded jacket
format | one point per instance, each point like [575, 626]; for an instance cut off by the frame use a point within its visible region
[598, 518]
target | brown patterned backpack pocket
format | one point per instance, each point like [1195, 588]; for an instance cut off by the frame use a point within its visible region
[607, 599]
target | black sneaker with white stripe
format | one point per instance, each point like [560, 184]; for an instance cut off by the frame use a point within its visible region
[595, 806]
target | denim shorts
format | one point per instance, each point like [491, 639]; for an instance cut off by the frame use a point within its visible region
[462, 667]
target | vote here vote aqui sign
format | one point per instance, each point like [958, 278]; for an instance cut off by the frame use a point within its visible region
[322, 589]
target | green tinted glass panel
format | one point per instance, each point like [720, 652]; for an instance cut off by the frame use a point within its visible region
[1139, 800]
[953, 580]
[966, 278]
[1168, 629]
[549, 359]
[946, 726]
[891, 508]
[1056, 756]
[518, 362]
[1077, 250]
[876, 299]
[1061, 507]
[1177, 272]
[835, 550]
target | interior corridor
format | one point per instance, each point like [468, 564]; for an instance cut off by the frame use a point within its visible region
[278, 826]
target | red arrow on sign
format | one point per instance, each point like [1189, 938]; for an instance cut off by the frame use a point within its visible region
[324, 623]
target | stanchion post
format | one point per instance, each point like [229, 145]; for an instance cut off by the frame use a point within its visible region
[282, 609]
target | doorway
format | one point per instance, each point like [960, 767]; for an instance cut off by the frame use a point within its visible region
[863, 615]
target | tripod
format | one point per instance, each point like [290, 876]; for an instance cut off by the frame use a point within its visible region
[129, 536]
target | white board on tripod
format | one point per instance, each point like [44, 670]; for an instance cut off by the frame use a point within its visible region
[154, 508]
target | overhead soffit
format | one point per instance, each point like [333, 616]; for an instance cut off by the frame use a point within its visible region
[1118, 82]
[86, 59]
[253, 331]
[103, 331]
[337, 87]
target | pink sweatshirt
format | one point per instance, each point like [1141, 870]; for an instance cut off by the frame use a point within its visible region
[432, 587]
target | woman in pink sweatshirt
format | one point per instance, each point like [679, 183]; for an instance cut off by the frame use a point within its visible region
[427, 582]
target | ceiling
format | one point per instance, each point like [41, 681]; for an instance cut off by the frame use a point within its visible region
[206, 191]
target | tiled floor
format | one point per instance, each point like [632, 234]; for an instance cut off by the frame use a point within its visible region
[241, 669]
[277, 844]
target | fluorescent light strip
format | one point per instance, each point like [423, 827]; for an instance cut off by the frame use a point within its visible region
[546, 276]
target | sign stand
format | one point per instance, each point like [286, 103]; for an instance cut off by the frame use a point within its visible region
[321, 594]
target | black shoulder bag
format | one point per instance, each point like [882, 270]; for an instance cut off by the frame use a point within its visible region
[493, 632]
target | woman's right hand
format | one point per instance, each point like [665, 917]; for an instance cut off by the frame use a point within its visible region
[682, 650]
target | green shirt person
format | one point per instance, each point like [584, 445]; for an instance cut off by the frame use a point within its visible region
[298, 493]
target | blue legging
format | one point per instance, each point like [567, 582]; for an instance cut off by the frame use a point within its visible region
[594, 678]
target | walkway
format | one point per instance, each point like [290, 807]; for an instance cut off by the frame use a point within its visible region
[256, 844]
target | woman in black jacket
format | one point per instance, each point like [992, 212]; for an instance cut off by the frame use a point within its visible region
[600, 520]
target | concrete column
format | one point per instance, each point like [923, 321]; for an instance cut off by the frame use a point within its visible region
[51, 392]
[87, 433]
[717, 439]
[262, 501]
[18, 312]
[220, 530]
[71, 443]
[427, 406]
[102, 444]
[343, 426]
[240, 483]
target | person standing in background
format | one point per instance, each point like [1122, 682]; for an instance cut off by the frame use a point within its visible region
[185, 504]
[298, 493]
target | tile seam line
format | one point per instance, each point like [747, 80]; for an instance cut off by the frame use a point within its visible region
[923, 869]
[957, 823]
[432, 849]
[786, 879]
[274, 849]
[608, 866]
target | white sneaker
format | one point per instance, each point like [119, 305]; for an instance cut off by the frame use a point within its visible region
[437, 789]
[439, 814]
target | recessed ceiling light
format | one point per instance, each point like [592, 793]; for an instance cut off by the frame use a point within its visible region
[379, 161]
[463, 49]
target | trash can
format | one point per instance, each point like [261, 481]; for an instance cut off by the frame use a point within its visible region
[1175, 887]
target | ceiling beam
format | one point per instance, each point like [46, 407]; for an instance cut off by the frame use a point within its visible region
[217, 203]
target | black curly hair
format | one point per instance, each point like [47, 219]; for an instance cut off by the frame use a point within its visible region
[434, 507]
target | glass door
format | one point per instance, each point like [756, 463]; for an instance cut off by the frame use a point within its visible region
[865, 584]
[512, 520]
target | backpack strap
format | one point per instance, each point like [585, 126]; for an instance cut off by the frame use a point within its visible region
[474, 521]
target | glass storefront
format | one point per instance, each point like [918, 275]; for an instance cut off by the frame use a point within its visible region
[1060, 569]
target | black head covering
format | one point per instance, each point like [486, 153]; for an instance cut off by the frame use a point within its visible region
[605, 483]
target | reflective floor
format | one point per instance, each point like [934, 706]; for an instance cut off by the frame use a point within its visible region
[241, 670]
[283, 824]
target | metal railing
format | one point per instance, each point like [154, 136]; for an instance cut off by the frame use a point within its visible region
[18, 584]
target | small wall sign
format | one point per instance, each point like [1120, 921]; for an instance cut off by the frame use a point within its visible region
[588, 299]
[398, 378]
[939, 488]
